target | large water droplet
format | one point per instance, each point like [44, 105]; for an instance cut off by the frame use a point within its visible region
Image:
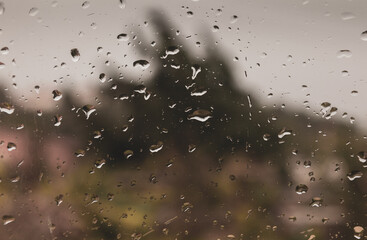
[6, 108]
[57, 95]
[195, 70]
[344, 54]
[122, 4]
[364, 36]
[11, 146]
[75, 54]
[156, 147]
[122, 37]
[57, 120]
[99, 163]
[172, 50]
[354, 175]
[316, 202]
[8, 219]
[362, 156]
[59, 199]
[358, 232]
[2, 8]
[4, 50]
[33, 12]
[88, 110]
[200, 115]
[301, 189]
[144, 64]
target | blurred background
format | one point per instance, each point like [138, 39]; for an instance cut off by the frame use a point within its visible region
[182, 119]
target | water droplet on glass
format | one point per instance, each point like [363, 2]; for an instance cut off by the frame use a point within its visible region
[8, 219]
[85, 5]
[88, 110]
[266, 137]
[59, 199]
[140, 89]
[316, 202]
[187, 207]
[195, 70]
[200, 115]
[358, 232]
[128, 154]
[354, 93]
[144, 64]
[99, 163]
[344, 54]
[172, 50]
[4, 50]
[198, 92]
[284, 132]
[2, 65]
[79, 153]
[191, 148]
[2, 8]
[75, 54]
[354, 175]
[347, 16]
[33, 12]
[122, 4]
[57, 95]
[362, 156]
[122, 37]
[11, 146]
[57, 120]
[301, 189]
[364, 36]
[156, 147]
[6, 108]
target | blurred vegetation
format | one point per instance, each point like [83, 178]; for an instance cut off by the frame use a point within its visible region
[229, 177]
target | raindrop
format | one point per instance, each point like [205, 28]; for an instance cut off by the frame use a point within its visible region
[85, 5]
[200, 115]
[354, 175]
[347, 16]
[358, 232]
[284, 132]
[4, 50]
[122, 37]
[57, 120]
[172, 50]
[75, 54]
[2, 65]
[88, 110]
[198, 92]
[195, 70]
[6, 108]
[140, 89]
[11, 146]
[128, 154]
[59, 199]
[2, 8]
[144, 64]
[8, 219]
[301, 189]
[187, 207]
[156, 147]
[316, 202]
[364, 36]
[57, 95]
[234, 18]
[362, 156]
[266, 137]
[191, 148]
[33, 12]
[79, 153]
[99, 163]
[102, 77]
[344, 54]
[122, 4]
